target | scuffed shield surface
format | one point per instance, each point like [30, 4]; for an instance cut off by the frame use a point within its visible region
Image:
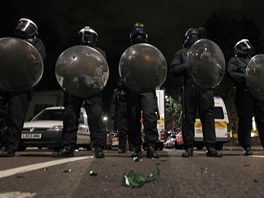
[143, 68]
[255, 76]
[82, 71]
[21, 65]
[206, 63]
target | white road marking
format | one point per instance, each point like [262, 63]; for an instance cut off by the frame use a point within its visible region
[259, 156]
[17, 195]
[23, 169]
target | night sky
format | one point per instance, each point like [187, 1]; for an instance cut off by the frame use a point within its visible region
[166, 21]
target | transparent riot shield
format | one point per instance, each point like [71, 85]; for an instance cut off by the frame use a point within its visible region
[255, 76]
[82, 71]
[143, 68]
[206, 63]
[21, 65]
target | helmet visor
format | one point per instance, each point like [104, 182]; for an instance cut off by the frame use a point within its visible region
[26, 29]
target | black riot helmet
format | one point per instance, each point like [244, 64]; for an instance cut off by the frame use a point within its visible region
[88, 36]
[244, 48]
[26, 29]
[138, 34]
[192, 35]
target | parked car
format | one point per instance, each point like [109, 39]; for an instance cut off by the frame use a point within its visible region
[174, 140]
[170, 142]
[112, 140]
[45, 130]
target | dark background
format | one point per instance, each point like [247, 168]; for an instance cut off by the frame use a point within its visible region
[166, 21]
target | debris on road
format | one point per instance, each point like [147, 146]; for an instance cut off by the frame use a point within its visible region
[92, 173]
[136, 180]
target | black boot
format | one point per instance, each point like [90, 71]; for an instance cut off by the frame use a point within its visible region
[99, 152]
[151, 153]
[247, 151]
[67, 151]
[212, 152]
[122, 150]
[137, 152]
[7, 153]
[188, 152]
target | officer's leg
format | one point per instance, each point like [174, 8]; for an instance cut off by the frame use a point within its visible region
[206, 112]
[3, 116]
[134, 125]
[188, 118]
[122, 141]
[70, 126]
[98, 133]
[150, 117]
[244, 130]
[259, 118]
[122, 126]
[245, 108]
[17, 109]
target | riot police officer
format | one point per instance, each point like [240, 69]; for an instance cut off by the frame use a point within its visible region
[3, 122]
[247, 105]
[118, 111]
[145, 103]
[19, 101]
[194, 98]
[93, 106]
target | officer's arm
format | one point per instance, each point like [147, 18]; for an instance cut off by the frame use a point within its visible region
[178, 66]
[234, 73]
[113, 104]
[38, 44]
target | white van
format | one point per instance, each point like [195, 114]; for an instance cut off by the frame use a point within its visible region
[221, 126]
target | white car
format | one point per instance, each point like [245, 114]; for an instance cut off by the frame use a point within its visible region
[45, 130]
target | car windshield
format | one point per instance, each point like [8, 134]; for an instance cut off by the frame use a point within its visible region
[50, 114]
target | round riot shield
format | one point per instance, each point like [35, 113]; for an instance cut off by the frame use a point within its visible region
[142, 67]
[206, 63]
[255, 76]
[82, 71]
[21, 65]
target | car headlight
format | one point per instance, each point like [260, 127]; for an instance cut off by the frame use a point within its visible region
[55, 128]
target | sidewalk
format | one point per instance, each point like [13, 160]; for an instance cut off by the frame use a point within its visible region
[254, 148]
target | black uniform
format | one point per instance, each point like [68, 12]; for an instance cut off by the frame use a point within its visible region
[93, 106]
[18, 104]
[247, 105]
[142, 105]
[147, 104]
[118, 110]
[3, 121]
[194, 98]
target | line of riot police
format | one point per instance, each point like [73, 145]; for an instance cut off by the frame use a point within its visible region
[82, 71]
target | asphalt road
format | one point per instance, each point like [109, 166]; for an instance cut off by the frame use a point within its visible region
[35, 173]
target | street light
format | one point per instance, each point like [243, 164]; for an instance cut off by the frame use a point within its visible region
[105, 119]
